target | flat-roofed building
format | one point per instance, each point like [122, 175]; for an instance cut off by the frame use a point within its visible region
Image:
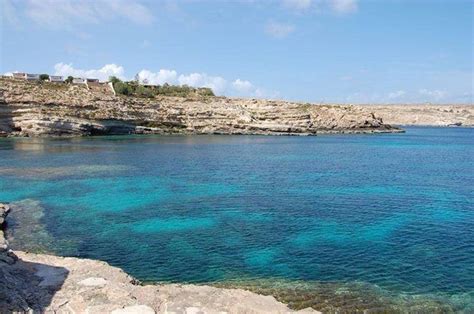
[56, 78]
[19, 75]
[79, 80]
[32, 77]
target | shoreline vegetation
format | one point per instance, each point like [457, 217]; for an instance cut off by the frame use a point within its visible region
[135, 89]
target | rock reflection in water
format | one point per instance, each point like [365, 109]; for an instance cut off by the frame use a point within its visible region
[27, 232]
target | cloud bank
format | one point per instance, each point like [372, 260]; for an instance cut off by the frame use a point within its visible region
[102, 74]
[219, 85]
[67, 13]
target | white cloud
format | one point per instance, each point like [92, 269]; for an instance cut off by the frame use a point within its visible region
[9, 12]
[397, 94]
[432, 94]
[102, 74]
[343, 6]
[278, 30]
[158, 78]
[242, 86]
[299, 5]
[66, 13]
[216, 83]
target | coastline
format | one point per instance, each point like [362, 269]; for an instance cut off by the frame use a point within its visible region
[51, 110]
[48, 283]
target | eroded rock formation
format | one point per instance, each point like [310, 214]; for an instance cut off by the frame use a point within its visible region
[48, 109]
[424, 114]
[6, 255]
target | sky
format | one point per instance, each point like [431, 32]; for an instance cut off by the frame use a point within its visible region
[323, 51]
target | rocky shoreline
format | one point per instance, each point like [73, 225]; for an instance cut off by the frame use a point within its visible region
[49, 109]
[46, 283]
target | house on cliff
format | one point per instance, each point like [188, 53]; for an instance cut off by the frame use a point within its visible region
[19, 75]
[56, 78]
[78, 80]
[32, 77]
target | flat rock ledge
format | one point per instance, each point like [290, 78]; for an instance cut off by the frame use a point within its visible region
[52, 284]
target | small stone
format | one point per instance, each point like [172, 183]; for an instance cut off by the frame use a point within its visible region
[93, 282]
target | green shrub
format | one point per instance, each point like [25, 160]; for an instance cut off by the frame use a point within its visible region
[114, 79]
[205, 91]
[142, 91]
[133, 88]
[44, 77]
[69, 79]
[123, 88]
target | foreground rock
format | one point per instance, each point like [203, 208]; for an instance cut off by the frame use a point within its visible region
[72, 285]
[48, 109]
[53, 284]
[6, 255]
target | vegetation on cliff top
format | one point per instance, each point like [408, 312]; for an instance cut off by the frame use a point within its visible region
[133, 88]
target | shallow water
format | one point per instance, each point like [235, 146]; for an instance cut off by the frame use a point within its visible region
[364, 221]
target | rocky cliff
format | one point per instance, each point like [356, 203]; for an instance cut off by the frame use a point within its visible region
[49, 109]
[424, 114]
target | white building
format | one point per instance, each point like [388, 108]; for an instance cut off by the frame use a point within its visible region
[79, 80]
[19, 75]
[32, 77]
[56, 78]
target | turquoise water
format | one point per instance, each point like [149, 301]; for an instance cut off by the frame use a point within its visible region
[387, 216]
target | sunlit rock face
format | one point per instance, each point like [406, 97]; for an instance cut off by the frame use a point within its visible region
[425, 114]
[47, 109]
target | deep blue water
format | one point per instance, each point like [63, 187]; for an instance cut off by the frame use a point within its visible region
[395, 211]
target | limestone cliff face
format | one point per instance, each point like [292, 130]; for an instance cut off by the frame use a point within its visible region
[48, 109]
[429, 115]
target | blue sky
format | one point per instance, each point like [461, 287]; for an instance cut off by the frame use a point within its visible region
[345, 51]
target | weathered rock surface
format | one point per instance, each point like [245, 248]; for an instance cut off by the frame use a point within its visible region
[72, 285]
[6, 255]
[429, 115]
[48, 109]
[4, 209]
[53, 284]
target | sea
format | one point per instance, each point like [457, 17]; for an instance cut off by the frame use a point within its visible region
[340, 223]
